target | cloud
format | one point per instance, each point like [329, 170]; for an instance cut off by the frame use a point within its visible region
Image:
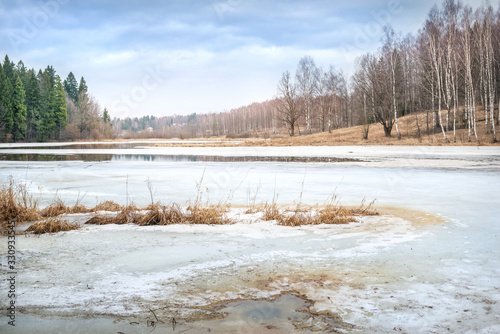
[213, 55]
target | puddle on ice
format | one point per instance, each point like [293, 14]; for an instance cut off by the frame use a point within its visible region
[284, 314]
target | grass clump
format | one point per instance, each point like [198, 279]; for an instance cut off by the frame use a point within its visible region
[56, 208]
[16, 204]
[161, 215]
[108, 206]
[209, 214]
[52, 226]
[332, 214]
[122, 218]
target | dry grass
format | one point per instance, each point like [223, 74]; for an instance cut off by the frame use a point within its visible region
[160, 215]
[331, 213]
[122, 218]
[52, 226]
[16, 204]
[365, 209]
[157, 214]
[214, 214]
[56, 208]
[78, 208]
[108, 206]
[271, 211]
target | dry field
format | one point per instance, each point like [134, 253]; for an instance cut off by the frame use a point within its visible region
[410, 135]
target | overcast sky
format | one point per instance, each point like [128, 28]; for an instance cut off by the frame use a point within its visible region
[163, 57]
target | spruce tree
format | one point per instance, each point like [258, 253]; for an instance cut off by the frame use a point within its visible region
[82, 88]
[18, 109]
[105, 116]
[23, 73]
[71, 87]
[47, 121]
[60, 108]
[33, 105]
[6, 119]
[8, 68]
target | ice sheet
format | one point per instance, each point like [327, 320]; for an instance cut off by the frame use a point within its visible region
[380, 274]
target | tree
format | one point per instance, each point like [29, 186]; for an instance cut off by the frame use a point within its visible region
[287, 103]
[71, 86]
[433, 30]
[33, 105]
[6, 117]
[391, 55]
[8, 68]
[59, 105]
[306, 76]
[18, 110]
[47, 120]
[82, 87]
[470, 95]
[105, 116]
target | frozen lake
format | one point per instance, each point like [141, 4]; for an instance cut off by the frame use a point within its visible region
[377, 275]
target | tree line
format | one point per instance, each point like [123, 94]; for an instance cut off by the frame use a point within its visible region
[449, 69]
[39, 106]
[449, 72]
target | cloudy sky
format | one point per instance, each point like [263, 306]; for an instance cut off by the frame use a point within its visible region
[163, 57]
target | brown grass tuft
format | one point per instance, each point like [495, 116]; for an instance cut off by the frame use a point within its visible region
[332, 213]
[56, 208]
[108, 206]
[210, 214]
[16, 204]
[78, 208]
[296, 218]
[122, 218]
[161, 215]
[271, 211]
[52, 226]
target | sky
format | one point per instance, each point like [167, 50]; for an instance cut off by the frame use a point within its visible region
[166, 57]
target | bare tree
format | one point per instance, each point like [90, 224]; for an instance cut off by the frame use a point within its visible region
[306, 81]
[391, 55]
[433, 30]
[287, 103]
[470, 104]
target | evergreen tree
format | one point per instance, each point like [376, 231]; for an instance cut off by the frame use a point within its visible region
[105, 116]
[6, 119]
[47, 120]
[8, 68]
[33, 105]
[52, 75]
[82, 88]
[18, 109]
[23, 73]
[71, 87]
[59, 105]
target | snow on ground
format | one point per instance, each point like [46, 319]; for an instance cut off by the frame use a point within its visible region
[124, 271]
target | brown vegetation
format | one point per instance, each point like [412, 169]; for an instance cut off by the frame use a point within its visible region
[16, 204]
[56, 208]
[108, 206]
[52, 226]
[332, 214]
[160, 215]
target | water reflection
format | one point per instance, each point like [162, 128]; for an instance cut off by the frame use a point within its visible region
[162, 158]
